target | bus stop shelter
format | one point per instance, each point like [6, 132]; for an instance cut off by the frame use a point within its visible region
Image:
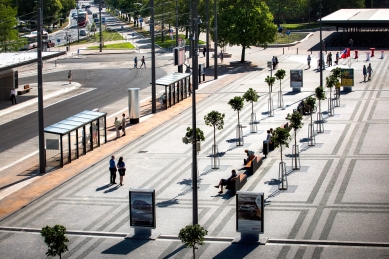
[73, 137]
[177, 88]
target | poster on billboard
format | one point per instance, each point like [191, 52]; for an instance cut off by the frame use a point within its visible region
[142, 208]
[249, 211]
[347, 78]
[296, 78]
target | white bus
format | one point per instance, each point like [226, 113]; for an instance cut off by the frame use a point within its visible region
[32, 40]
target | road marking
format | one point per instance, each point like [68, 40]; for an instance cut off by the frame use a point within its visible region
[19, 160]
[17, 187]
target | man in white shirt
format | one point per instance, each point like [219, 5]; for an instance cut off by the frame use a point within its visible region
[13, 94]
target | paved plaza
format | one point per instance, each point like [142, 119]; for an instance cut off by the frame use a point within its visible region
[336, 206]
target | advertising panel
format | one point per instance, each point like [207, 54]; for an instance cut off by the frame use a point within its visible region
[142, 208]
[296, 78]
[179, 56]
[347, 78]
[249, 211]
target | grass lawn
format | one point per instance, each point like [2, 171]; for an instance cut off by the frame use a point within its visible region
[168, 42]
[122, 45]
[301, 26]
[110, 35]
[294, 36]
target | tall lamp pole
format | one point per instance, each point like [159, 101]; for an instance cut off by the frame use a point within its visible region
[215, 38]
[101, 33]
[180, 67]
[195, 19]
[207, 39]
[153, 87]
[41, 125]
[321, 49]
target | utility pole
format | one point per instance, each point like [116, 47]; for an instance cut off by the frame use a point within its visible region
[101, 33]
[153, 87]
[207, 39]
[41, 125]
[321, 50]
[215, 38]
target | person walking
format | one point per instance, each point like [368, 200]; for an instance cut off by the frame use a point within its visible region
[204, 50]
[143, 62]
[337, 58]
[124, 124]
[364, 73]
[112, 170]
[273, 60]
[369, 71]
[309, 61]
[70, 76]
[117, 127]
[13, 96]
[122, 169]
[330, 59]
[135, 62]
[221, 56]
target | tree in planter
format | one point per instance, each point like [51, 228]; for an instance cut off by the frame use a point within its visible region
[320, 95]
[193, 236]
[280, 137]
[252, 96]
[237, 104]
[311, 103]
[280, 74]
[337, 72]
[270, 80]
[189, 137]
[295, 120]
[214, 119]
[331, 81]
[55, 239]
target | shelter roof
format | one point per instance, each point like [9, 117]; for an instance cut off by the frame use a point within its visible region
[72, 123]
[171, 79]
[16, 59]
[358, 17]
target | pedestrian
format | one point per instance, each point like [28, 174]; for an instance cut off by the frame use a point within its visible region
[337, 58]
[204, 50]
[143, 62]
[124, 124]
[364, 73]
[351, 42]
[112, 170]
[224, 182]
[330, 59]
[117, 127]
[221, 56]
[324, 45]
[135, 62]
[276, 59]
[94, 132]
[70, 76]
[13, 96]
[369, 71]
[309, 61]
[122, 169]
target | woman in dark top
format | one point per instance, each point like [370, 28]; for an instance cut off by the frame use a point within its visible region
[122, 169]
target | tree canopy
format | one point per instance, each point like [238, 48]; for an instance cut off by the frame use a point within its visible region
[7, 23]
[245, 23]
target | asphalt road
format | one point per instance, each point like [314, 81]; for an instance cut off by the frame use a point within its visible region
[111, 85]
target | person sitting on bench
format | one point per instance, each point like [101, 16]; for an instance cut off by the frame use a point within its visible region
[224, 182]
[250, 156]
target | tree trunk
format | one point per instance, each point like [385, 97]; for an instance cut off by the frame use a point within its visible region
[243, 54]
[281, 152]
[214, 135]
[238, 118]
[252, 107]
[194, 254]
[295, 147]
[280, 85]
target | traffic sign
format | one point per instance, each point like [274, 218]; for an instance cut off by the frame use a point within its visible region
[103, 20]
[58, 40]
[288, 32]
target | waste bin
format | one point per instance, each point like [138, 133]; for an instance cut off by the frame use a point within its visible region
[356, 54]
[133, 105]
[382, 54]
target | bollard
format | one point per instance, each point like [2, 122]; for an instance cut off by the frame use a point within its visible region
[382, 54]
[282, 50]
[55, 63]
[297, 51]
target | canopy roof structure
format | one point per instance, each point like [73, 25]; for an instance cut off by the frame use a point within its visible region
[171, 79]
[358, 18]
[17, 59]
[74, 122]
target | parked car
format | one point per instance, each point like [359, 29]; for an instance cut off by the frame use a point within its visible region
[50, 44]
[75, 16]
[94, 15]
[83, 32]
[93, 28]
[89, 11]
[83, 6]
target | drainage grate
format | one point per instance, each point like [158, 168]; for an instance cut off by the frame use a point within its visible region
[142, 152]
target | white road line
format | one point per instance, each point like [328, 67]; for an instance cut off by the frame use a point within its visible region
[19, 160]
[17, 187]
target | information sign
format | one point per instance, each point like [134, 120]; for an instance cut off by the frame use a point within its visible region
[249, 212]
[142, 208]
[296, 78]
[347, 78]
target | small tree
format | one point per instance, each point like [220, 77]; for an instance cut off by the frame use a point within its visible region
[216, 120]
[237, 104]
[251, 96]
[280, 137]
[193, 236]
[270, 80]
[280, 74]
[311, 103]
[295, 122]
[320, 95]
[199, 134]
[55, 239]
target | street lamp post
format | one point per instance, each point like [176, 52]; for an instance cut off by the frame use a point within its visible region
[42, 152]
[101, 33]
[207, 39]
[153, 87]
[215, 39]
[321, 49]
[78, 25]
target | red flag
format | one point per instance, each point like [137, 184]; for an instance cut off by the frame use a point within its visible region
[345, 53]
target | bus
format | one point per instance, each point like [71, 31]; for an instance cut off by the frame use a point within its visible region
[82, 18]
[32, 40]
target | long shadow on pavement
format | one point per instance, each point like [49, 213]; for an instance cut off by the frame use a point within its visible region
[125, 247]
[236, 251]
